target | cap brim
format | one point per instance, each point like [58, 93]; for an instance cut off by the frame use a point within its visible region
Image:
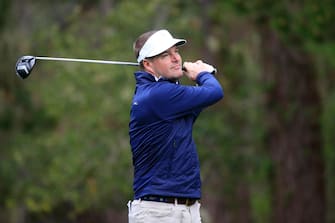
[163, 47]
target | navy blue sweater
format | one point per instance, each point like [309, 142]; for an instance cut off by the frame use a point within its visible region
[161, 119]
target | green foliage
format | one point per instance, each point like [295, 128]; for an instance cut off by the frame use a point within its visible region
[297, 22]
[81, 155]
[4, 12]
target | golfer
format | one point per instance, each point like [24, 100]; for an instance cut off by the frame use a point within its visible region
[167, 185]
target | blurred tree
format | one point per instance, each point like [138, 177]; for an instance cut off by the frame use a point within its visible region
[294, 132]
[293, 103]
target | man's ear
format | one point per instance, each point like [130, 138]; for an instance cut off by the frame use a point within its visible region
[147, 65]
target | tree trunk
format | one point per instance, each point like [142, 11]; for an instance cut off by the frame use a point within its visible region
[293, 112]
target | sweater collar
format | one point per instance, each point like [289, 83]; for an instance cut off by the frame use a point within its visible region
[143, 77]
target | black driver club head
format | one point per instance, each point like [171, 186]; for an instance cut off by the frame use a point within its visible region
[24, 66]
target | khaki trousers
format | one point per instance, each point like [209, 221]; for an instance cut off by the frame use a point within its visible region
[159, 212]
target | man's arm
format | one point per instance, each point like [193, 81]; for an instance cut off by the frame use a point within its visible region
[173, 101]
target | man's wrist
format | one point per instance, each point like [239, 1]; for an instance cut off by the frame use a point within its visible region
[200, 76]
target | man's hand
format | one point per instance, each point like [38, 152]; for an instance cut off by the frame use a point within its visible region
[192, 70]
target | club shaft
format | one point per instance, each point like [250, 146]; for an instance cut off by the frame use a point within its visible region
[88, 61]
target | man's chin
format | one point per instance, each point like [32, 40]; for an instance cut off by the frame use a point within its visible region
[179, 74]
[175, 78]
[175, 75]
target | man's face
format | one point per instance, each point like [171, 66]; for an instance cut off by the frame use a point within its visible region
[167, 64]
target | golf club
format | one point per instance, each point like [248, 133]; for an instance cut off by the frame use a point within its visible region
[25, 64]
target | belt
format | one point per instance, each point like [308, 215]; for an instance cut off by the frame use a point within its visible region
[170, 200]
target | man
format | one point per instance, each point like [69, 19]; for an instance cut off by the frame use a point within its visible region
[166, 165]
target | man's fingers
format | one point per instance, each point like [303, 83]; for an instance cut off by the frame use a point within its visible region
[198, 67]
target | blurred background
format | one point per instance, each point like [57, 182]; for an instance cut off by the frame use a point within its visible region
[266, 150]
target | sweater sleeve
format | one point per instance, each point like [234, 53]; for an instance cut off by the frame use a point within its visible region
[172, 100]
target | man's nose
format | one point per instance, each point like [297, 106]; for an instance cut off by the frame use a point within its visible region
[175, 57]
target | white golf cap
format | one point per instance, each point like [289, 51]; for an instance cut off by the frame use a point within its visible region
[157, 43]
